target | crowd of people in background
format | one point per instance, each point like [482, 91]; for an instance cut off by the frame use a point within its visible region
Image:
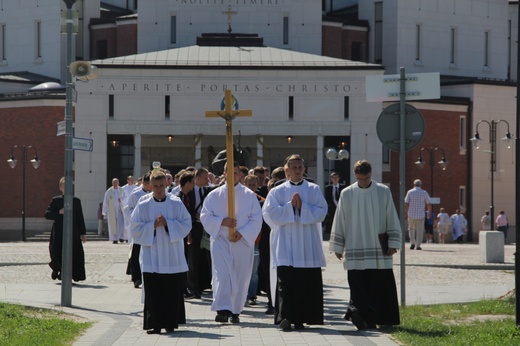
[184, 243]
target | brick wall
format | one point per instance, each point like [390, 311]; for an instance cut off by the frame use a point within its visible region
[30, 126]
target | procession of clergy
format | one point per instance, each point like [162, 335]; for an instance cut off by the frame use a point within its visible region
[184, 241]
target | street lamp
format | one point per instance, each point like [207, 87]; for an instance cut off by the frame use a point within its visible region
[492, 161]
[12, 163]
[334, 155]
[442, 163]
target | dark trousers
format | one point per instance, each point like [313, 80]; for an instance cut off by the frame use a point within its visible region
[134, 262]
[373, 294]
[299, 295]
[264, 270]
[194, 259]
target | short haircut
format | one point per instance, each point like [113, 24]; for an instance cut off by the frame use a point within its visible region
[158, 175]
[201, 171]
[334, 174]
[244, 170]
[278, 173]
[362, 167]
[179, 173]
[252, 177]
[146, 177]
[259, 169]
[186, 177]
[293, 157]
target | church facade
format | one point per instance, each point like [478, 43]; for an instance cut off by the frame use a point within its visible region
[151, 107]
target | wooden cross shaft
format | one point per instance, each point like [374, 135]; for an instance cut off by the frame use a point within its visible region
[228, 114]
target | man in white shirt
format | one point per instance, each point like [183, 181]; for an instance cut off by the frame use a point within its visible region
[416, 202]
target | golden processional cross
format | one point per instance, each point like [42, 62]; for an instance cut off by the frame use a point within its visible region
[229, 113]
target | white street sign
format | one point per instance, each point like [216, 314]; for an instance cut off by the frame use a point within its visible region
[419, 86]
[60, 128]
[84, 144]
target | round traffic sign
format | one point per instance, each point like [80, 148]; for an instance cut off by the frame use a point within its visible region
[388, 127]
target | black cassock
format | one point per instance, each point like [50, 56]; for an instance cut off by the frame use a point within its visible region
[56, 241]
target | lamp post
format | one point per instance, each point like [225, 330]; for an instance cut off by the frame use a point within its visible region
[492, 161]
[12, 163]
[334, 155]
[431, 161]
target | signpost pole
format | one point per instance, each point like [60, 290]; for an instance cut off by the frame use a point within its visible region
[66, 263]
[402, 177]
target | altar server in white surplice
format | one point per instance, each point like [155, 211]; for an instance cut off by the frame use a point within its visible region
[232, 259]
[160, 222]
[295, 210]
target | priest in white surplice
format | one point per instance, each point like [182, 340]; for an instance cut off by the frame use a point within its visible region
[160, 222]
[294, 210]
[232, 259]
[113, 211]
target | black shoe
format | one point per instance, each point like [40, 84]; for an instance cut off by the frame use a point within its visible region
[299, 326]
[153, 331]
[235, 318]
[222, 318]
[59, 276]
[115, 242]
[412, 246]
[358, 321]
[269, 311]
[138, 283]
[170, 330]
[54, 274]
[251, 301]
[419, 248]
[285, 325]
[348, 316]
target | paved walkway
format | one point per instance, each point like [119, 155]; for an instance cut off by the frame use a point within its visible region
[437, 274]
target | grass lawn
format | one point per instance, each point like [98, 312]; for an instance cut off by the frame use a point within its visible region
[21, 325]
[487, 322]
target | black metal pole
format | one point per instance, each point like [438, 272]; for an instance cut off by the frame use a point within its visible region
[24, 159]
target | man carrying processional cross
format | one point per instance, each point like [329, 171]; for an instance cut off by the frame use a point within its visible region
[232, 217]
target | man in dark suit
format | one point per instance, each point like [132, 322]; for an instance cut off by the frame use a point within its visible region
[199, 263]
[332, 192]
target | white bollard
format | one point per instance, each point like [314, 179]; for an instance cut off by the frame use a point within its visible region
[491, 246]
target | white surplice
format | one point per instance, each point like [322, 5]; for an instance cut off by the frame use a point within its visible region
[161, 251]
[113, 209]
[296, 236]
[232, 263]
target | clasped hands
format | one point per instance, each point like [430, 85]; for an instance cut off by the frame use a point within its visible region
[232, 223]
[160, 221]
[296, 201]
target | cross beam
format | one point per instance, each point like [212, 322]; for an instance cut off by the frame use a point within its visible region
[228, 114]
